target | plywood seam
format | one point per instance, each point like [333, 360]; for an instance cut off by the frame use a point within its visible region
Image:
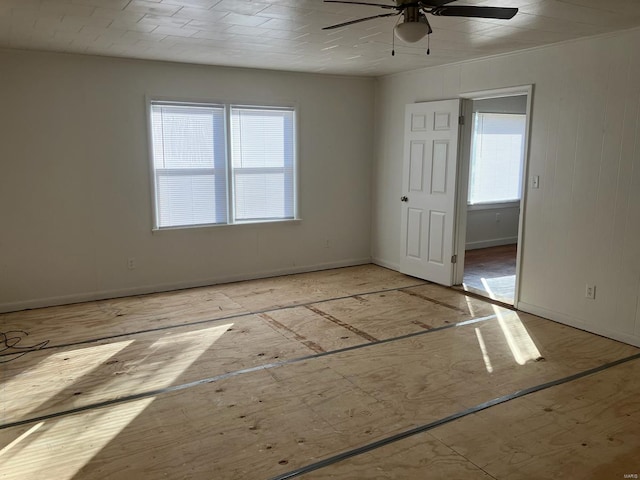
[339, 322]
[432, 300]
[466, 459]
[430, 426]
[471, 291]
[212, 320]
[235, 373]
[301, 338]
[468, 293]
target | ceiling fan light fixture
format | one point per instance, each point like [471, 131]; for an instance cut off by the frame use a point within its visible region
[411, 32]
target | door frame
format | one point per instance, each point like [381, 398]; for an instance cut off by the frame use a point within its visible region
[463, 177]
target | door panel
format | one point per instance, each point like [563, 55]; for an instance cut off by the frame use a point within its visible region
[416, 166]
[442, 120]
[439, 169]
[428, 190]
[418, 122]
[414, 228]
[437, 222]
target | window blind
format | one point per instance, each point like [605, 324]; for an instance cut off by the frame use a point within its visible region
[262, 162]
[497, 155]
[188, 144]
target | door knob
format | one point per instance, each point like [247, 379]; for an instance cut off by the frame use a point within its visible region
[404, 199]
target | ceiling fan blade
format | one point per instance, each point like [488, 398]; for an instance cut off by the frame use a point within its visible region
[361, 20]
[392, 7]
[470, 11]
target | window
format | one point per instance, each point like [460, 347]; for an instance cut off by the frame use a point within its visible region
[262, 162]
[497, 155]
[200, 179]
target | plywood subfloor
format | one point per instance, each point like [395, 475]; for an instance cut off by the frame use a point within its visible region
[257, 379]
[583, 429]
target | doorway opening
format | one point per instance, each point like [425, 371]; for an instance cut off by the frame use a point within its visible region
[491, 194]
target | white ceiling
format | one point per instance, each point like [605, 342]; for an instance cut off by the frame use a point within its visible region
[288, 35]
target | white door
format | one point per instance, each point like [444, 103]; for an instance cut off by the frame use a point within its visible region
[429, 190]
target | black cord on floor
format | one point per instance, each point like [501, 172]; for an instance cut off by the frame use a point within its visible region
[10, 340]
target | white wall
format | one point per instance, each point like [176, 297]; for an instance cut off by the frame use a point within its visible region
[583, 224]
[75, 198]
[491, 226]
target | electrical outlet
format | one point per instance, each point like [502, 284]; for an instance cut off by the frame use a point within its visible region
[590, 292]
[131, 263]
[497, 218]
[535, 181]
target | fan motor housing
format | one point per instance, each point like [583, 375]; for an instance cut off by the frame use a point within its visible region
[412, 14]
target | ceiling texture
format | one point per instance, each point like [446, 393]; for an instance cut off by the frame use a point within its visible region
[288, 35]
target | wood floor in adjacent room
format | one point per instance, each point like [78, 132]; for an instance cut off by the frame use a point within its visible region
[491, 272]
[353, 373]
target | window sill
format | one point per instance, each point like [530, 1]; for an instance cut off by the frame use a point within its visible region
[493, 206]
[292, 221]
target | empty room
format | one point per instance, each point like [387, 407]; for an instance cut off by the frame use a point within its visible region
[280, 239]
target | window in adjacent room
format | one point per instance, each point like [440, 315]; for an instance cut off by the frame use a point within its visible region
[497, 156]
[222, 164]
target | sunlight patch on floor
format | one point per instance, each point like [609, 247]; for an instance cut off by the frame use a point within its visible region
[483, 349]
[522, 346]
[50, 378]
[17, 441]
[500, 288]
[469, 301]
[60, 447]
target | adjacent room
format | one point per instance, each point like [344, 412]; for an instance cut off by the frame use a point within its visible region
[496, 153]
[320, 239]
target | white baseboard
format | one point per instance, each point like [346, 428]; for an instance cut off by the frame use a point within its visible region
[385, 264]
[580, 324]
[495, 242]
[166, 287]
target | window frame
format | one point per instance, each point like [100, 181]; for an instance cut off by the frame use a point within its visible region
[227, 106]
[231, 170]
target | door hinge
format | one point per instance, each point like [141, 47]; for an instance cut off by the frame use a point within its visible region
[454, 259]
[461, 120]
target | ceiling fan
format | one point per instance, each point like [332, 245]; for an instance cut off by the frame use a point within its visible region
[415, 24]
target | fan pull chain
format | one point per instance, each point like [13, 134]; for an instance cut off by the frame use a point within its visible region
[393, 37]
[428, 43]
[393, 44]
